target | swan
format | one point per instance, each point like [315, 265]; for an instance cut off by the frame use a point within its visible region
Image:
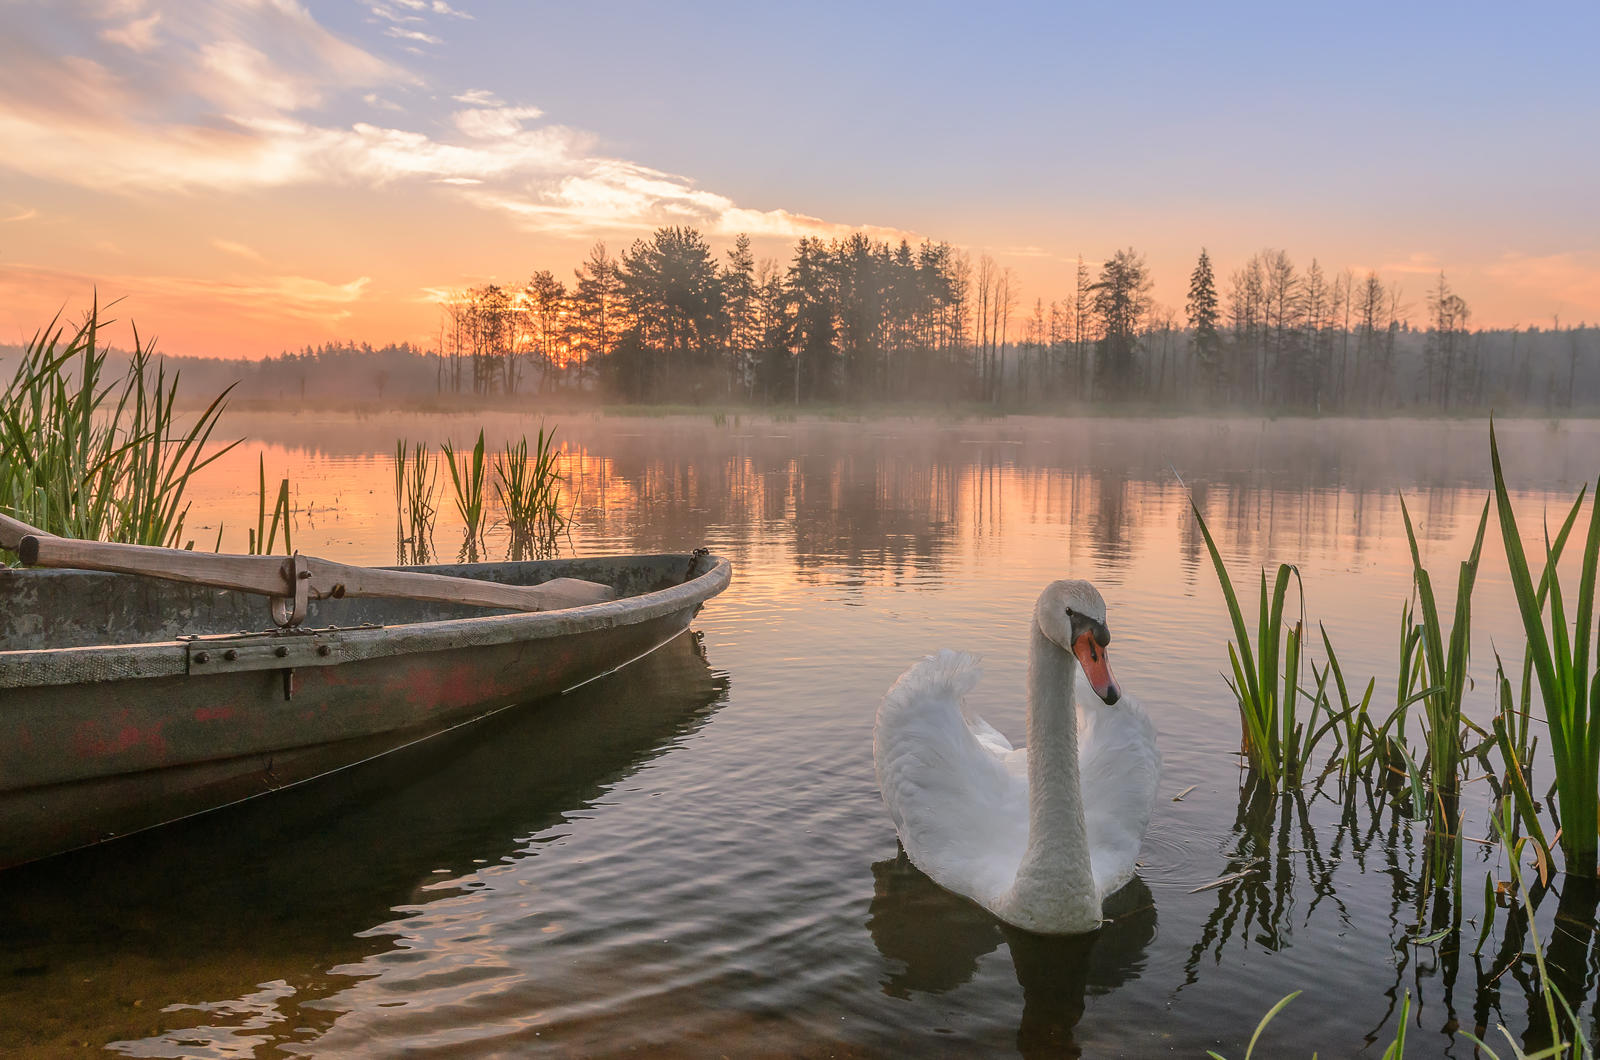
[1038, 836]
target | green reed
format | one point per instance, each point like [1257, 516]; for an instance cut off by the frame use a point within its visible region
[467, 478]
[528, 485]
[90, 456]
[416, 477]
[1510, 738]
[1357, 740]
[1444, 670]
[1562, 662]
[1276, 743]
[264, 537]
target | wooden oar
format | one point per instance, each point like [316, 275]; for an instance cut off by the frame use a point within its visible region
[270, 575]
[12, 531]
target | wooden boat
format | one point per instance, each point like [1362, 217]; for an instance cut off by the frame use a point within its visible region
[127, 701]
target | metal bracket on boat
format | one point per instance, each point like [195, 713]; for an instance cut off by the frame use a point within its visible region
[264, 651]
[290, 611]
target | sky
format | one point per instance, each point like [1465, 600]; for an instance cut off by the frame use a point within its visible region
[247, 176]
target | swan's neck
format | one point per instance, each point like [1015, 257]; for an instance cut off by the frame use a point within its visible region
[1055, 878]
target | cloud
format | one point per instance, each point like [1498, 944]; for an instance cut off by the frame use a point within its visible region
[237, 94]
[263, 298]
[239, 249]
[401, 33]
[1415, 264]
[610, 194]
[138, 35]
[494, 123]
[1570, 279]
[438, 7]
[384, 11]
[20, 215]
[297, 296]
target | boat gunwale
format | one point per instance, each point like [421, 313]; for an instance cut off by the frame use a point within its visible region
[34, 667]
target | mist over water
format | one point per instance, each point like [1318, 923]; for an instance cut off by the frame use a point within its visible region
[690, 857]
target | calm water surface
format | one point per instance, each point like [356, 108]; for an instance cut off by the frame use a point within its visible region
[691, 858]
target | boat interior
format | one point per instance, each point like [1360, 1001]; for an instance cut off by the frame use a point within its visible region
[42, 609]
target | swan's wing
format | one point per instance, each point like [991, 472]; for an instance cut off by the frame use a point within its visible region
[986, 734]
[961, 814]
[1119, 767]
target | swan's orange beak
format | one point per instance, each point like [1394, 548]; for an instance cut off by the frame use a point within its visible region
[1096, 667]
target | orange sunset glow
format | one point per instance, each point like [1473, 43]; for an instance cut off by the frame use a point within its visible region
[252, 177]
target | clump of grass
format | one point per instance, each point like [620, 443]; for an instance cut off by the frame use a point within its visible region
[1443, 668]
[467, 479]
[416, 476]
[1562, 662]
[87, 456]
[528, 485]
[264, 537]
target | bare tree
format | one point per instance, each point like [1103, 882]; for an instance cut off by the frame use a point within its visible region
[1445, 342]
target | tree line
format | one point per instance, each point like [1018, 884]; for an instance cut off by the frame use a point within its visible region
[857, 319]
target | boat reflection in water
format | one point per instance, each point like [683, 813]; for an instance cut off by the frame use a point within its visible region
[238, 917]
[936, 940]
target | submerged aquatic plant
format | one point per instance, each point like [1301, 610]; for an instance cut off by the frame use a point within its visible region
[415, 479]
[1569, 683]
[87, 456]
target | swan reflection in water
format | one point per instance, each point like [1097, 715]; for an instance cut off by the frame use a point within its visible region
[934, 941]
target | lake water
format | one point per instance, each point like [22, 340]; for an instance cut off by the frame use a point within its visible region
[690, 857]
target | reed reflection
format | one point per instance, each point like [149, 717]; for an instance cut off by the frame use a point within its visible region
[1273, 842]
[934, 941]
[1284, 860]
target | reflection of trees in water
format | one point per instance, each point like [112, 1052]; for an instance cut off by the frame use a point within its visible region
[1357, 455]
[934, 941]
[898, 503]
[896, 496]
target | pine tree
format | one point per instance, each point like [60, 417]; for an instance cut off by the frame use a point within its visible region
[597, 311]
[1121, 300]
[739, 280]
[1203, 314]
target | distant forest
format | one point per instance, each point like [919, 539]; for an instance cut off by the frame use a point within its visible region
[859, 320]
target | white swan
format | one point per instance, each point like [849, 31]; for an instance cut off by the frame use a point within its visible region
[1039, 836]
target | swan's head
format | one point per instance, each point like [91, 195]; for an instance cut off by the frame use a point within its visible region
[1072, 614]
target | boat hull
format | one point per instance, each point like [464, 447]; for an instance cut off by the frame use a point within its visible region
[97, 741]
